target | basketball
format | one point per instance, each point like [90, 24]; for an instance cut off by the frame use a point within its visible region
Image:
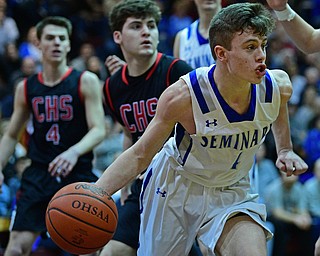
[81, 218]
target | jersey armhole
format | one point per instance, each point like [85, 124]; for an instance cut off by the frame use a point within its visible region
[107, 96]
[79, 87]
[169, 72]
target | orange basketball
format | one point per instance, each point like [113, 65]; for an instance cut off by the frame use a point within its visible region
[81, 218]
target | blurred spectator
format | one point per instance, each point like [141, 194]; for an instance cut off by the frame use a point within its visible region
[10, 61]
[28, 68]
[309, 10]
[95, 65]
[6, 104]
[85, 52]
[3, 88]
[287, 210]
[312, 191]
[8, 196]
[296, 134]
[90, 25]
[178, 19]
[111, 48]
[312, 60]
[108, 5]
[312, 74]
[5, 201]
[9, 32]
[278, 44]
[303, 115]
[266, 171]
[29, 48]
[165, 40]
[13, 176]
[315, 13]
[27, 13]
[5, 210]
[20, 149]
[299, 82]
[311, 144]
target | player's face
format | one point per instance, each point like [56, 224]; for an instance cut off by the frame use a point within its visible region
[138, 36]
[54, 43]
[247, 57]
[208, 5]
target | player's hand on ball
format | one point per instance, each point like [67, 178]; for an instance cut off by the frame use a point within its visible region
[81, 218]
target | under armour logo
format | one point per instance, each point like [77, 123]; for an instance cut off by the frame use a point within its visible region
[163, 194]
[214, 122]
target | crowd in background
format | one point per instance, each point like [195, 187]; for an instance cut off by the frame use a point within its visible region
[92, 42]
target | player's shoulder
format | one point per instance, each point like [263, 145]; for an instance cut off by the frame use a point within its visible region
[116, 83]
[281, 77]
[90, 84]
[31, 78]
[175, 100]
[21, 84]
[283, 82]
[89, 77]
[173, 62]
[88, 74]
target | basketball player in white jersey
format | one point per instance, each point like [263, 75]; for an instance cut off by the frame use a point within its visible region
[306, 38]
[197, 184]
[192, 43]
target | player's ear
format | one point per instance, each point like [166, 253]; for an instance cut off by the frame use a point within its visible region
[117, 37]
[220, 53]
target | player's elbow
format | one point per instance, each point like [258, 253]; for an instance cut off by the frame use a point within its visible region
[100, 133]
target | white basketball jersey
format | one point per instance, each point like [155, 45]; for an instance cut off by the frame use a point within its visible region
[222, 150]
[194, 49]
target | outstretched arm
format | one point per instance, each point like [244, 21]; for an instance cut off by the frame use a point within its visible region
[172, 108]
[287, 161]
[306, 38]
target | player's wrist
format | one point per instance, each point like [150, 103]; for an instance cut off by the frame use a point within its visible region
[76, 152]
[285, 15]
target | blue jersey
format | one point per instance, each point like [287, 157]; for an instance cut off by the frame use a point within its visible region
[194, 48]
[222, 150]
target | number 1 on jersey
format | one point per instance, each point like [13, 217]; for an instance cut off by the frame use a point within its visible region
[234, 166]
